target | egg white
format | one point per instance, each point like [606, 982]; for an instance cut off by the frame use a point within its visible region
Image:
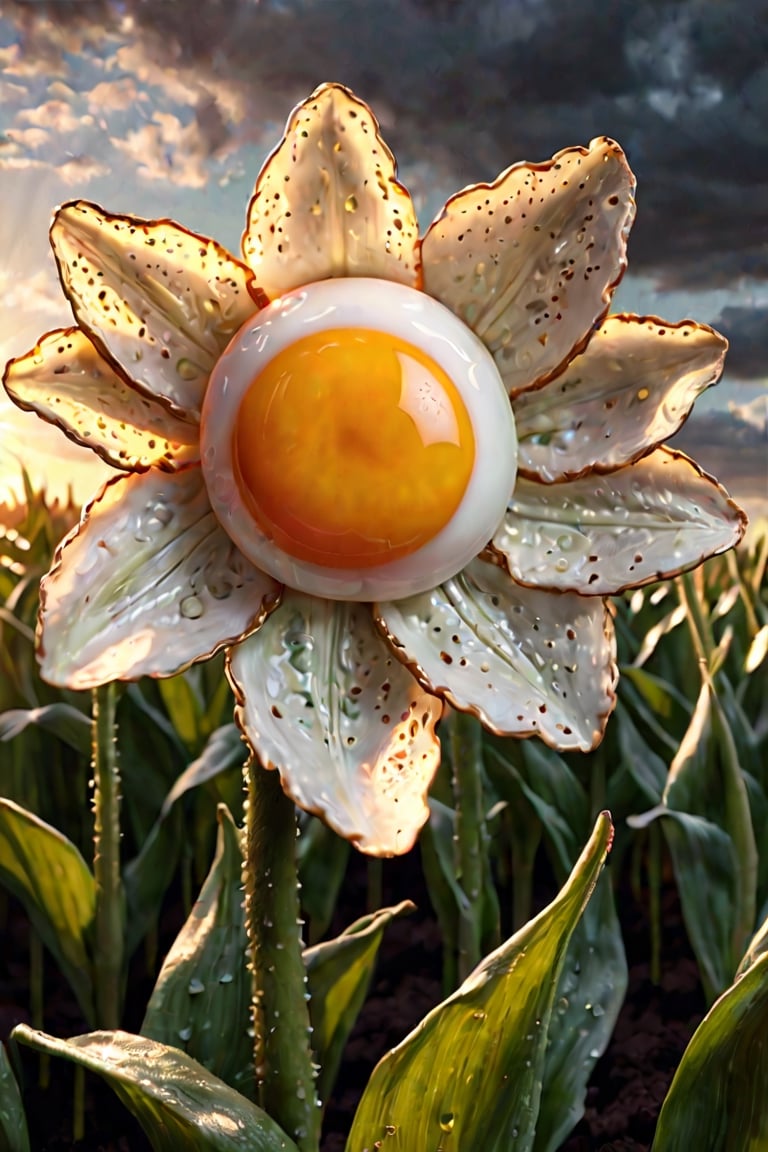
[412, 316]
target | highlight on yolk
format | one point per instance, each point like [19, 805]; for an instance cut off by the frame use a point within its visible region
[352, 448]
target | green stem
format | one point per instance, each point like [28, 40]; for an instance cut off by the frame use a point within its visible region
[467, 758]
[285, 1076]
[110, 926]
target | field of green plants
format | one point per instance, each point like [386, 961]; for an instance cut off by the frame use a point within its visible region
[97, 847]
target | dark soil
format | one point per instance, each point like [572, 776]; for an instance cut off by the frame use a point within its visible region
[623, 1101]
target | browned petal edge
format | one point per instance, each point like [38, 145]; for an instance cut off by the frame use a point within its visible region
[353, 838]
[491, 552]
[381, 142]
[444, 693]
[630, 318]
[258, 296]
[267, 606]
[164, 464]
[545, 166]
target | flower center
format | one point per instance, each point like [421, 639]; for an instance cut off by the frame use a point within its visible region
[352, 447]
[357, 441]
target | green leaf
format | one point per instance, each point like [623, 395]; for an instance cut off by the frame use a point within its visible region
[149, 874]
[50, 877]
[339, 973]
[224, 749]
[61, 720]
[707, 823]
[14, 1136]
[178, 1103]
[593, 980]
[184, 708]
[590, 993]
[717, 1101]
[474, 1066]
[201, 999]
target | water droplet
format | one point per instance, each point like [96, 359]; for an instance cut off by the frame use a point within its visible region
[643, 393]
[562, 1006]
[350, 204]
[478, 1015]
[195, 986]
[185, 1033]
[227, 978]
[391, 1129]
[447, 1121]
[561, 565]
[191, 607]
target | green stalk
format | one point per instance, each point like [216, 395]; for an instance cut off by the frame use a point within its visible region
[467, 758]
[110, 925]
[285, 1075]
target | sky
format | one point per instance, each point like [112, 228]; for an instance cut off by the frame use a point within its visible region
[162, 108]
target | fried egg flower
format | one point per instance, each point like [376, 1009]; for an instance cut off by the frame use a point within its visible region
[384, 472]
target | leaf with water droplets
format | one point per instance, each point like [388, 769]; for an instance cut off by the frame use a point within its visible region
[67, 382]
[526, 662]
[322, 699]
[593, 980]
[474, 1065]
[601, 534]
[178, 1103]
[339, 973]
[148, 583]
[631, 389]
[530, 261]
[328, 203]
[160, 302]
[204, 979]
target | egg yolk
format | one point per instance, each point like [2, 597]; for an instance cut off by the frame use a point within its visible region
[352, 448]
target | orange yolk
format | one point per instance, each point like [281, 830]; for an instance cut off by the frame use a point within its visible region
[352, 448]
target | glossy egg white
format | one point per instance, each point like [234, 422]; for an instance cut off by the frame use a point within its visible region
[419, 319]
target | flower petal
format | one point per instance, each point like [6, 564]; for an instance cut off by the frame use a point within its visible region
[322, 699]
[526, 662]
[601, 534]
[328, 203]
[159, 302]
[630, 389]
[147, 584]
[65, 380]
[530, 262]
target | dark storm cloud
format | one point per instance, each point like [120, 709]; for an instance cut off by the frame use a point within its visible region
[747, 331]
[471, 85]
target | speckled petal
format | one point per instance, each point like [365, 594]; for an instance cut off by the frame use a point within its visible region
[630, 390]
[601, 534]
[160, 302]
[328, 203]
[147, 584]
[67, 382]
[530, 262]
[322, 699]
[526, 662]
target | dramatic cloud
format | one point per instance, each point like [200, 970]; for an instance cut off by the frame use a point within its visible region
[747, 330]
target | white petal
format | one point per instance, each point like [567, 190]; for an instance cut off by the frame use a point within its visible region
[630, 389]
[67, 382]
[530, 262]
[327, 202]
[525, 662]
[600, 534]
[322, 699]
[160, 302]
[147, 584]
